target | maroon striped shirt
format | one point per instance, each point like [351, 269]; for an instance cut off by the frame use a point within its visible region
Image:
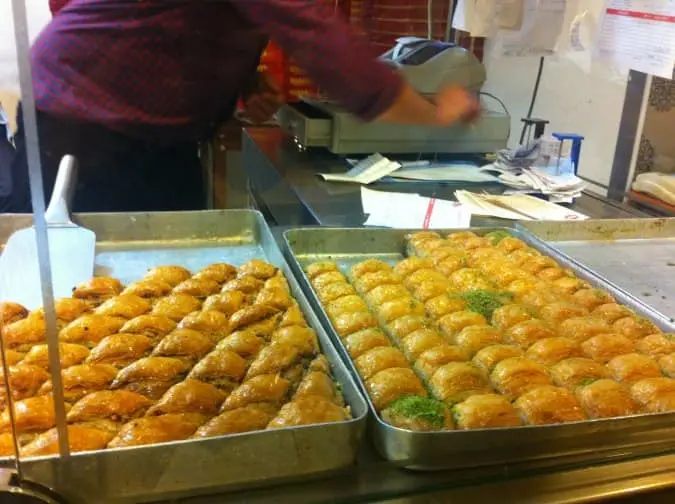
[169, 70]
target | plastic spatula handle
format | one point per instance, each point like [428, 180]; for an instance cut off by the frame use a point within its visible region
[58, 211]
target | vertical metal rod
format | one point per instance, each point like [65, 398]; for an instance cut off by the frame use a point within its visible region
[10, 406]
[448, 24]
[208, 159]
[430, 19]
[38, 200]
[630, 131]
[557, 166]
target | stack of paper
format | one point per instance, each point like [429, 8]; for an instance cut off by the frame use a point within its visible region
[522, 156]
[515, 207]
[366, 171]
[560, 188]
[412, 211]
[437, 171]
[533, 169]
[377, 167]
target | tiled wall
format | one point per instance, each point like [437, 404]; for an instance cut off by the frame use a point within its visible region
[657, 145]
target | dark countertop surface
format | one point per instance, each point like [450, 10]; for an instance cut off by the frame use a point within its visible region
[288, 191]
[285, 186]
[648, 480]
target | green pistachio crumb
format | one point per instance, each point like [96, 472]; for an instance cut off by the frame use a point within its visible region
[496, 236]
[424, 408]
[485, 302]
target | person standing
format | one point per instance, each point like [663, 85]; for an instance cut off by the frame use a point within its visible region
[130, 88]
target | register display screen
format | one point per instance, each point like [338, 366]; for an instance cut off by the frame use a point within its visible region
[425, 53]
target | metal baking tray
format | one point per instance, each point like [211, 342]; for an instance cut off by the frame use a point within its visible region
[545, 446]
[637, 255]
[129, 244]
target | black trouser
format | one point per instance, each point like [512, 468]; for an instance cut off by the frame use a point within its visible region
[7, 154]
[117, 173]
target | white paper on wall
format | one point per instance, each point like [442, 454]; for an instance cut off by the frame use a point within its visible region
[540, 29]
[461, 20]
[476, 17]
[579, 34]
[638, 35]
[577, 42]
[510, 14]
[484, 18]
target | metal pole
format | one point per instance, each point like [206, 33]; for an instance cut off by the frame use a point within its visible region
[10, 406]
[448, 24]
[38, 200]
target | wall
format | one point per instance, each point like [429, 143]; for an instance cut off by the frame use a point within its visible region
[657, 149]
[575, 96]
[572, 100]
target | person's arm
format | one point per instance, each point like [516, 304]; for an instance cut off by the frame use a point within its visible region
[263, 101]
[410, 107]
[56, 5]
[343, 62]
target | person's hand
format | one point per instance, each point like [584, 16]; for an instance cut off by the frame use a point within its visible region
[455, 104]
[263, 103]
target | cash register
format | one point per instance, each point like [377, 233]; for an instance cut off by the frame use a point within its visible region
[427, 65]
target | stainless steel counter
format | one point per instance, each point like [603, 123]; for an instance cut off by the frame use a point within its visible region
[637, 255]
[374, 480]
[287, 189]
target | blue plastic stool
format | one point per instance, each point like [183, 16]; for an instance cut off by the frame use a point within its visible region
[575, 153]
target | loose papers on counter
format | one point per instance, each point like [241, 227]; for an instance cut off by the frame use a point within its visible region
[516, 207]
[412, 211]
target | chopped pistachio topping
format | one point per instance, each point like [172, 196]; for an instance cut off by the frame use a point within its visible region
[485, 302]
[587, 381]
[424, 408]
[496, 236]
